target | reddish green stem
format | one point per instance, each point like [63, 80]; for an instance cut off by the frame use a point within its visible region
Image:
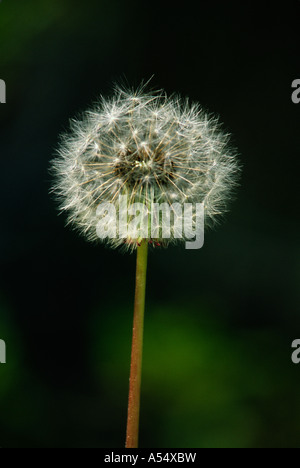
[137, 348]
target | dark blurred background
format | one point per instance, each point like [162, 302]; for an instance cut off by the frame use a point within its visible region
[220, 321]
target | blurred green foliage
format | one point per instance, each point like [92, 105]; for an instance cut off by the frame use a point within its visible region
[204, 385]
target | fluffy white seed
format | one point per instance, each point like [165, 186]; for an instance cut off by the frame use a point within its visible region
[149, 147]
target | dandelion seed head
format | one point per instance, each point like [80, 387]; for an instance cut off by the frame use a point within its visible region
[149, 147]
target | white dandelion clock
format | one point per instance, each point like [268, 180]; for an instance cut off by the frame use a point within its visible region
[146, 149]
[135, 161]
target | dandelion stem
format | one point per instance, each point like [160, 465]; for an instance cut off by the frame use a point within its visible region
[137, 348]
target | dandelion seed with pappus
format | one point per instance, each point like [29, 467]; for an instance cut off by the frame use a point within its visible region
[149, 149]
